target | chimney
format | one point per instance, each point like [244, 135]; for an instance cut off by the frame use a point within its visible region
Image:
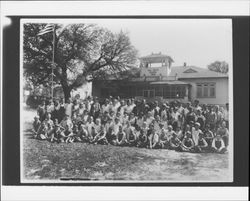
[185, 64]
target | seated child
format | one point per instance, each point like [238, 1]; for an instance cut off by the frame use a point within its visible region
[42, 132]
[100, 138]
[195, 133]
[82, 135]
[130, 134]
[202, 145]
[69, 135]
[36, 125]
[179, 133]
[164, 139]
[48, 120]
[121, 137]
[154, 142]
[49, 131]
[143, 138]
[111, 136]
[174, 142]
[208, 135]
[57, 134]
[66, 121]
[187, 144]
[218, 145]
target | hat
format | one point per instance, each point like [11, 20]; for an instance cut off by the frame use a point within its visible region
[197, 124]
[170, 126]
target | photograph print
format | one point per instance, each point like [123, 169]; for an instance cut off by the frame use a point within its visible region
[126, 100]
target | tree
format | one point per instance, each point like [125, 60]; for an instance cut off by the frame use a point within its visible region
[219, 66]
[82, 53]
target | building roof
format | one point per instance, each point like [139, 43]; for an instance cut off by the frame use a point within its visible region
[177, 82]
[194, 72]
[156, 57]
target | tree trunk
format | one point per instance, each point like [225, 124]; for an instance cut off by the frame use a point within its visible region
[66, 91]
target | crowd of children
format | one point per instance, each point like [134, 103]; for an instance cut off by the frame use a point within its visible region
[188, 127]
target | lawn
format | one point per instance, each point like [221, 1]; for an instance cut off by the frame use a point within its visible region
[51, 161]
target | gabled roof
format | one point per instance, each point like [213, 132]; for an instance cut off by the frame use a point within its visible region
[194, 72]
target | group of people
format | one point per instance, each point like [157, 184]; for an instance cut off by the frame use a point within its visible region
[187, 127]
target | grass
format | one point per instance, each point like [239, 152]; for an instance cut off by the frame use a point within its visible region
[51, 161]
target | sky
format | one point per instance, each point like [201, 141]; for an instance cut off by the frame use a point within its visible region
[197, 42]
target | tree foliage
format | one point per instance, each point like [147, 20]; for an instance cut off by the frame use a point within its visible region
[219, 66]
[82, 52]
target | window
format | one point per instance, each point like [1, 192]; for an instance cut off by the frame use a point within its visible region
[148, 93]
[158, 91]
[205, 90]
[174, 91]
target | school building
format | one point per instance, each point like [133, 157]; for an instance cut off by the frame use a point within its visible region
[159, 80]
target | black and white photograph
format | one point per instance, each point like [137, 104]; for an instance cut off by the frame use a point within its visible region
[126, 100]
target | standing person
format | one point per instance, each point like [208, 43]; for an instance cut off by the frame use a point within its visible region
[218, 116]
[196, 132]
[68, 108]
[212, 119]
[190, 117]
[41, 111]
[132, 119]
[130, 106]
[105, 107]
[81, 109]
[223, 132]
[56, 112]
[50, 107]
[218, 145]
[75, 106]
[200, 119]
[122, 107]
[95, 109]
[164, 113]
[61, 111]
[196, 106]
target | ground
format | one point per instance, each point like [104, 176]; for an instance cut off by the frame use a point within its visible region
[51, 161]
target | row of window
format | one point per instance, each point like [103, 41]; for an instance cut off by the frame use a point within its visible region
[205, 90]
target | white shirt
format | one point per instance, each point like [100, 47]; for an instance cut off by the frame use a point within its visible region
[68, 109]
